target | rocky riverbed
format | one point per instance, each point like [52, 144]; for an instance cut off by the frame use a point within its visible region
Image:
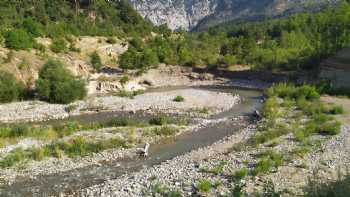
[153, 102]
[182, 173]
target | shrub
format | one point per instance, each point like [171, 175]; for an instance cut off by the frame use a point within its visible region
[330, 128]
[336, 110]
[204, 185]
[12, 158]
[95, 60]
[32, 27]
[59, 46]
[160, 120]
[263, 166]
[165, 131]
[58, 85]
[179, 99]
[120, 122]
[308, 92]
[240, 174]
[124, 79]
[10, 88]
[18, 39]
[216, 170]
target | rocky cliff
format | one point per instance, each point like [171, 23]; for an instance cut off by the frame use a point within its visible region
[197, 14]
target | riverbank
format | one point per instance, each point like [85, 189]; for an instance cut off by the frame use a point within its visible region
[154, 102]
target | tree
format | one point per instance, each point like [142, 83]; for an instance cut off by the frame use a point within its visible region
[18, 40]
[95, 60]
[57, 85]
[10, 88]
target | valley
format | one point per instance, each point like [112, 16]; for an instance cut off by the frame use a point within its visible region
[101, 98]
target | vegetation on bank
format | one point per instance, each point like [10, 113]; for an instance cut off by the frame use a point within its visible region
[79, 146]
[51, 132]
[293, 111]
[10, 88]
[58, 85]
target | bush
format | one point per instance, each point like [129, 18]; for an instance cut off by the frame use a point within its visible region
[336, 110]
[204, 185]
[58, 85]
[160, 120]
[33, 27]
[330, 128]
[263, 166]
[96, 61]
[10, 88]
[59, 46]
[179, 99]
[12, 158]
[18, 40]
[240, 174]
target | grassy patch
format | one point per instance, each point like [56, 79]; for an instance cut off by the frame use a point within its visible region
[179, 99]
[240, 174]
[268, 161]
[204, 185]
[73, 148]
[216, 170]
[129, 94]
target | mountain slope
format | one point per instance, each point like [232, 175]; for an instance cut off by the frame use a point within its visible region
[191, 14]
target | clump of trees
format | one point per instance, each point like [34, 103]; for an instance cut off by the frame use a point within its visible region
[56, 19]
[58, 85]
[10, 88]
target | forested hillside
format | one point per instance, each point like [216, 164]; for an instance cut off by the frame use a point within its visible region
[77, 17]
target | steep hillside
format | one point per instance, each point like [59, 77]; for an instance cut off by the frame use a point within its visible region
[192, 14]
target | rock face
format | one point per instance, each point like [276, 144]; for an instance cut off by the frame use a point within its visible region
[198, 14]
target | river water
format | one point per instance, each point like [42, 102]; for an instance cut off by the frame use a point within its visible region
[73, 180]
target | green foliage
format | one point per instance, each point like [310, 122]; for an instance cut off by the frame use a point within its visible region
[58, 19]
[32, 27]
[73, 148]
[124, 79]
[96, 61]
[58, 85]
[219, 169]
[59, 46]
[240, 174]
[269, 160]
[165, 131]
[129, 94]
[10, 88]
[204, 185]
[18, 39]
[179, 99]
[12, 158]
[336, 110]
